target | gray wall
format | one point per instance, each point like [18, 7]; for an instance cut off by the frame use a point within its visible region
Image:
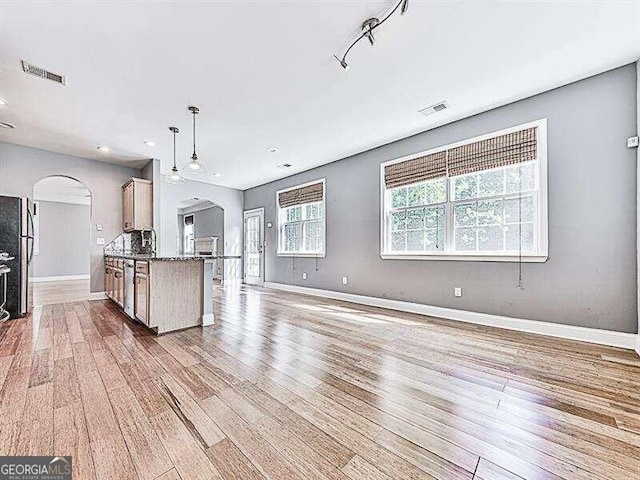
[21, 167]
[229, 199]
[64, 233]
[590, 277]
[208, 222]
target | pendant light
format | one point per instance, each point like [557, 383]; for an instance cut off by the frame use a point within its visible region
[174, 176]
[195, 166]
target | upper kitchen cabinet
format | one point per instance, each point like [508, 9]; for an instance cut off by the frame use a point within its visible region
[137, 211]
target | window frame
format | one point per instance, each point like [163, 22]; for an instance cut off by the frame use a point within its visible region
[280, 223]
[541, 234]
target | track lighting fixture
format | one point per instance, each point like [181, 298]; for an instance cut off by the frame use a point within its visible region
[194, 167]
[368, 27]
[174, 176]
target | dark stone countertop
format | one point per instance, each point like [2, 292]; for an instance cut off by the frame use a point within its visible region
[168, 258]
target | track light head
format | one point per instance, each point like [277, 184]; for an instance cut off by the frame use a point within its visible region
[405, 7]
[343, 63]
[371, 38]
[367, 29]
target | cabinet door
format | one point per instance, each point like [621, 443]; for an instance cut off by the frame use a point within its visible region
[142, 298]
[110, 279]
[142, 205]
[119, 286]
[107, 281]
[127, 207]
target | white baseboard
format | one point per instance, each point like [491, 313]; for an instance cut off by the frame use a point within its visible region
[207, 319]
[97, 296]
[591, 335]
[59, 278]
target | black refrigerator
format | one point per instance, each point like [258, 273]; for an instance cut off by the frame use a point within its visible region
[16, 238]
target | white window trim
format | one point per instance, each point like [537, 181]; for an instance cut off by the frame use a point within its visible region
[542, 250]
[322, 254]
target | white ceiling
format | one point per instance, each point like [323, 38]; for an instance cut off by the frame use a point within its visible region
[263, 74]
[61, 189]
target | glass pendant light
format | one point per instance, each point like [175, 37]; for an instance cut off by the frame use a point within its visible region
[174, 176]
[195, 166]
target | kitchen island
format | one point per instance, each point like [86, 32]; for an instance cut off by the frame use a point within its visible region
[165, 293]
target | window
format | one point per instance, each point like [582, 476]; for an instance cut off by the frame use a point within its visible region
[301, 220]
[187, 235]
[481, 199]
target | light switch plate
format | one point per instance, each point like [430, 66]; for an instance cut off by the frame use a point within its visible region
[457, 291]
[100, 241]
[304, 275]
[99, 227]
[345, 280]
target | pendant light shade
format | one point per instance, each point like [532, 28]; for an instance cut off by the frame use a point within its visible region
[174, 176]
[195, 166]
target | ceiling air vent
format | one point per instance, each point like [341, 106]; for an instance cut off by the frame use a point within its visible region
[42, 73]
[435, 108]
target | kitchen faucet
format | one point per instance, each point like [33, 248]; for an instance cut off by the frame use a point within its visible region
[150, 241]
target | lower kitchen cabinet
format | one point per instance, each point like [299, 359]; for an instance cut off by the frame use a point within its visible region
[142, 293]
[167, 293]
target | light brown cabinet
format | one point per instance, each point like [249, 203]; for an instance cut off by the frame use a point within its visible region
[142, 292]
[137, 205]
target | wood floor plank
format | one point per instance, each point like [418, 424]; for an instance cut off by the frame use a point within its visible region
[71, 438]
[185, 452]
[231, 462]
[287, 386]
[268, 461]
[36, 431]
[148, 455]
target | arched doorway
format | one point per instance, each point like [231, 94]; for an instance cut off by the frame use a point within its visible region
[60, 270]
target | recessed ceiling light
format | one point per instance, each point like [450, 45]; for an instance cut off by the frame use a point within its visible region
[103, 148]
[217, 175]
[3, 103]
[285, 165]
[272, 149]
[149, 143]
[7, 125]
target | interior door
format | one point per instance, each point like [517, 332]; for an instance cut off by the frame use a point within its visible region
[254, 246]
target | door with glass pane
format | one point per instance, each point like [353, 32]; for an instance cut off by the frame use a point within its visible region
[253, 246]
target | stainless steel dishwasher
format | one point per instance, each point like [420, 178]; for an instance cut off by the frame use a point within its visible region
[129, 290]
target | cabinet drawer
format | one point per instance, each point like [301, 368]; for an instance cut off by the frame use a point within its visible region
[142, 267]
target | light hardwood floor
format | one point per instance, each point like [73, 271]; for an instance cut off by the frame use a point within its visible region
[286, 386]
[47, 293]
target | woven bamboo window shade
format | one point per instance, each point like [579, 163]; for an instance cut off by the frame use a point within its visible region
[509, 149]
[298, 196]
[416, 170]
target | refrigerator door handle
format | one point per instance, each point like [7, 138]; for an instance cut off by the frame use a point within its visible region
[30, 249]
[32, 232]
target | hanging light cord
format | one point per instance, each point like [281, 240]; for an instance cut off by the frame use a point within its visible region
[174, 150]
[194, 156]
[370, 30]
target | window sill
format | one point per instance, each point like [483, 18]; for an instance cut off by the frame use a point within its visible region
[301, 255]
[467, 258]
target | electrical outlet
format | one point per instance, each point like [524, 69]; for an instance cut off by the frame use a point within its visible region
[457, 291]
[304, 275]
[100, 241]
[345, 280]
[99, 227]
